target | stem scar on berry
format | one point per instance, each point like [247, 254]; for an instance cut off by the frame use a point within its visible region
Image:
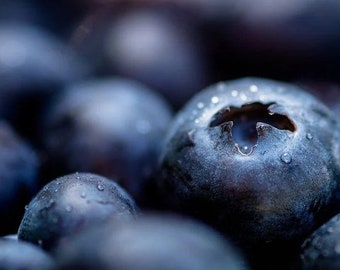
[243, 122]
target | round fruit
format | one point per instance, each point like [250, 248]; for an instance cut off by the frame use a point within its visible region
[258, 159]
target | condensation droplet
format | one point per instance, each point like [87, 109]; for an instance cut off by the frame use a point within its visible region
[330, 229]
[271, 113]
[40, 242]
[286, 158]
[263, 97]
[83, 195]
[234, 93]
[26, 207]
[215, 100]
[253, 88]
[68, 208]
[50, 203]
[243, 97]
[100, 187]
[200, 105]
[45, 188]
[309, 136]
[197, 121]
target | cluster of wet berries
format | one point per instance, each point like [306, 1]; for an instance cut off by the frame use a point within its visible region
[169, 135]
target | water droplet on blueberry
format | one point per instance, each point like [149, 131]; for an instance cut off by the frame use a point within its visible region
[200, 105]
[286, 158]
[100, 187]
[215, 100]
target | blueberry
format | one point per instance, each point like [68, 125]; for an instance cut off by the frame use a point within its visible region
[113, 127]
[321, 250]
[18, 177]
[33, 66]
[71, 203]
[17, 255]
[256, 158]
[150, 243]
[155, 45]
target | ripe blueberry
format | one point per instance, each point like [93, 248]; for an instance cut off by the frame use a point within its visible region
[18, 178]
[150, 243]
[113, 127]
[22, 255]
[258, 159]
[71, 203]
[321, 250]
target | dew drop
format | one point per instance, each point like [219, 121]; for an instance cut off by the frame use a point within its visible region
[234, 93]
[253, 88]
[68, 208]
[45, 188]
[309, 136]
[26, 207]
[330, 229]
[100, 187]
[215, 100]
[197, 121]
[243, 97]
[200, 105]
[286, 158]
[40, 242]
[83, 195]
[263, 97]
[271, 113]
[50, 203]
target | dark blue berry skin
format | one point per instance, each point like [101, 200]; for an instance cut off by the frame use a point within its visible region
[17, 255]
[321, 250]
[258, 159]
[18, 178]
[154, 44]
[150, 243]
[113, 127]
[71, 203]
[34, 64]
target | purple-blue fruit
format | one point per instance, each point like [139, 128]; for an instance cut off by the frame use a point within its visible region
[18, 178]
[256, 158]
[17, 255]
[150, 243]
[321, 250]
[113, 127]
[69, 204]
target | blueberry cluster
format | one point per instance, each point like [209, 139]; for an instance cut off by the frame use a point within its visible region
[173, 135]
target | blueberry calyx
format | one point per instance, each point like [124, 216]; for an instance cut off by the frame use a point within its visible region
[243, 123]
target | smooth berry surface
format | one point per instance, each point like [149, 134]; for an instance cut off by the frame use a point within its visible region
[19, 167]
[113, 127]
[17, 255]
[151, 242]
[71, 203]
